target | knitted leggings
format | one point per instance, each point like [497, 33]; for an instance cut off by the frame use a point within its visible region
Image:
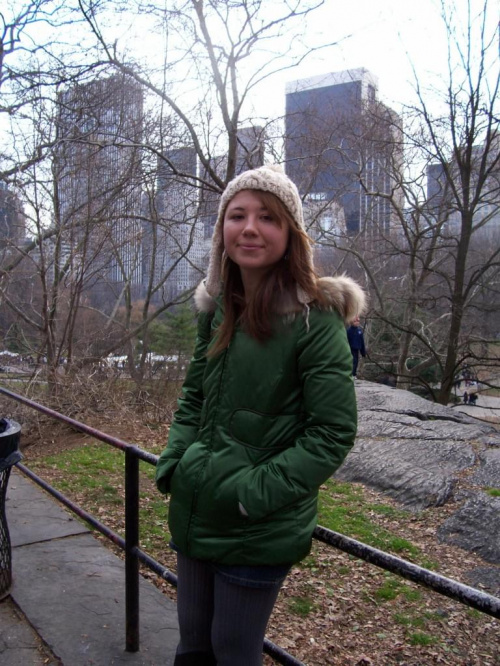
[219, 617]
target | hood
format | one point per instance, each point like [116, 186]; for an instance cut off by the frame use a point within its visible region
[341, 293]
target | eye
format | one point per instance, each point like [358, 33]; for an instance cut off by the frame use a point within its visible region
[267, 218]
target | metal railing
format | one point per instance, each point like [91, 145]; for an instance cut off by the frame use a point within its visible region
[469, 596]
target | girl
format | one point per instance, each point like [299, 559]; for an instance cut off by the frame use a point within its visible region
[267, 414]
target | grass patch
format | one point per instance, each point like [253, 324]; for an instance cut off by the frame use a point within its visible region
[384, 510]
[342, 508]
[421, 638]
[494, 492]
[310, 563]
[84, 465]
[333, 590]
[389, 590]
[429, 564]
[411, 593]
[409, 621]
[153, 515]
[301, 606]
[393, 587]
[94, 473]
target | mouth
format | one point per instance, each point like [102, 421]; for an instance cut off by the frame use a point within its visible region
[249, 248]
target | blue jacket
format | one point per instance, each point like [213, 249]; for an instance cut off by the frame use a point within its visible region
[356, 339]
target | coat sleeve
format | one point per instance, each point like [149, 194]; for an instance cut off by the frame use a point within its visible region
[330, 417]
[187, 417]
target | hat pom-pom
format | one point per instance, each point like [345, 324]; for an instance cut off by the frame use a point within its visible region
[274, 167]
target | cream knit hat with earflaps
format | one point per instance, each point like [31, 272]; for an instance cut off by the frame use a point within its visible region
[270, 178]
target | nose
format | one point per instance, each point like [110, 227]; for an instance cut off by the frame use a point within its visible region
[250, 227]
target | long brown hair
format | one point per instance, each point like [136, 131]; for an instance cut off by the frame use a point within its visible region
[257, 315]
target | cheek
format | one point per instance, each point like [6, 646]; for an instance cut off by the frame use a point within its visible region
[284, 238]
[229, 236]
[226, 235]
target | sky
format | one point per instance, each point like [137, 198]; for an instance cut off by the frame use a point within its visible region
[386, 37]
[385, 34]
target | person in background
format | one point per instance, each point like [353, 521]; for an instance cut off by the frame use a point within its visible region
[356, 343]
[472, 391]
[267, 414]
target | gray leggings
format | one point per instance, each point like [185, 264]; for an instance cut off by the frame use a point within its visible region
[221, 617]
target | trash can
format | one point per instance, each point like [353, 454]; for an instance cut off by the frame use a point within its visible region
[10, 433]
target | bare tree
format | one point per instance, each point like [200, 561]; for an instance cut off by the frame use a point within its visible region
[217, 40]
[97, 233]
[426, 184]
[35, 60]
[433, 272]
[449, 233]
[466, 143]
[89, 230]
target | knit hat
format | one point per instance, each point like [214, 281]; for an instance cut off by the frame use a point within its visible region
[268, 178]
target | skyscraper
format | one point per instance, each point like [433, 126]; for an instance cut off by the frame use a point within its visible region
[342, 146]
[249, 155]
[446, 199]
[12, 219]
[175, 247]
[98, 176]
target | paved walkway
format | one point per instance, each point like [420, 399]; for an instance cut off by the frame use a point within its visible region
[67, 601]
[487, 408]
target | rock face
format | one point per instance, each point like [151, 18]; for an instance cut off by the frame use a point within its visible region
[416, 451]
[476, 527]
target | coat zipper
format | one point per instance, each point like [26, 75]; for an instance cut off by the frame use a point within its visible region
[209, 452]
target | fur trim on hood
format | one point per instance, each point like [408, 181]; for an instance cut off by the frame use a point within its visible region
[341, 293]
[344, 295]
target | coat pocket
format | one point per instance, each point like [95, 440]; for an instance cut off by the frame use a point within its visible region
[264, 431]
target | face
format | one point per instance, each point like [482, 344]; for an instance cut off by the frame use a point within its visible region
[253, 239]
[355, 321]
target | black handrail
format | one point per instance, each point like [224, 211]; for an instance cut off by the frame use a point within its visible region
[486, 603]
[469, 596]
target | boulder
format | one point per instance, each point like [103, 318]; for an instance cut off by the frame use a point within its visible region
[488, 473]
[416, 472]
[416, 451]
[475, 527]
[410, 448]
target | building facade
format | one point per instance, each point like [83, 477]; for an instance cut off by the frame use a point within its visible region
[342, 145]
[98, 175]
[174, 248]
[12, 219]
[446, 198]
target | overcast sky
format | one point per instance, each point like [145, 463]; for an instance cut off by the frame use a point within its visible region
[386, 36]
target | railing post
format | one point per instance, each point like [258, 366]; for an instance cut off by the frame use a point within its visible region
[131, 545]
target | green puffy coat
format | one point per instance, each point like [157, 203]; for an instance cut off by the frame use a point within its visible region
[258, 429]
